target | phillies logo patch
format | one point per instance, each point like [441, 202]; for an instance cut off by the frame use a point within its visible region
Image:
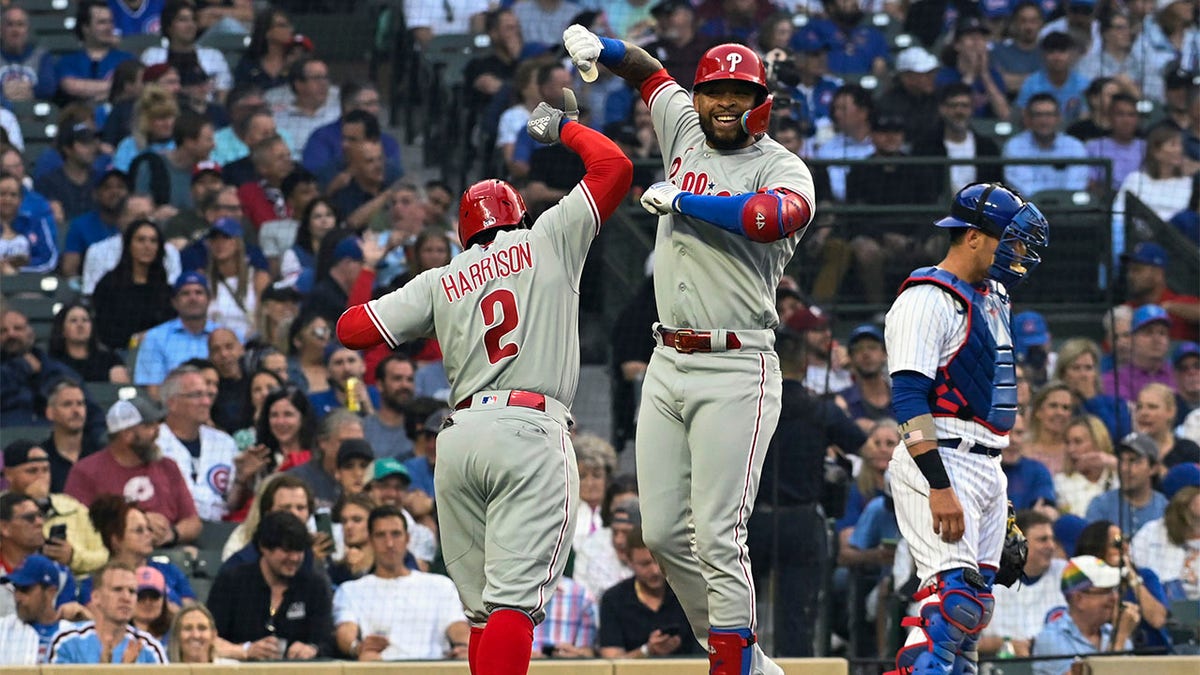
[734, 59]
[218, 478]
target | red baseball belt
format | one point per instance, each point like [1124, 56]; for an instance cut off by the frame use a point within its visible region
[687, 341]
[516, 397]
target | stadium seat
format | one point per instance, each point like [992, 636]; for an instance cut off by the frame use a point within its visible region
[32, 433]
[214, 535]
[136, 44]
[207, 562]
[48, 6]
[59, 43]
[42, 25]
[176, 557]
[29, 284]
[106, 393]
[33, 110]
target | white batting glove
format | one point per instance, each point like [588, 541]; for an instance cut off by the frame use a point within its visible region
[660, 198]
[583, 46]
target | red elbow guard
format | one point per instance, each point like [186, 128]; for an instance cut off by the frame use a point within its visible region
[357, 330]
[773, 214]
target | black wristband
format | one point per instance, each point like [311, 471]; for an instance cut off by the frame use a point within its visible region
[930, 464]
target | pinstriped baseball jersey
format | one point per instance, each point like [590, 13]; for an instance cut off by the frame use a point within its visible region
[926, 327]
[497, 331]
[706, 277]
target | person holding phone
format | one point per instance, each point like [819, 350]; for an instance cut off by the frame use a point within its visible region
[70, 538]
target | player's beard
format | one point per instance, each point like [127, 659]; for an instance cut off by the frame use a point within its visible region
[710, 134]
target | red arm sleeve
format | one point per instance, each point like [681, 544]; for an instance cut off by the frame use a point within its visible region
[652, 83]
[358, 328]
[609, 171]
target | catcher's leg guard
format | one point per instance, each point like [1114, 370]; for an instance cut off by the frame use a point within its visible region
[967, 660]
[950, 611]
[731, 651]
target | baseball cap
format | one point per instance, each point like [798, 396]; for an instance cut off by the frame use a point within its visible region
[347, 248]
[36, 570]
[1146, 253]
[132, 412]
[1087, 571]
[150, 579]
[1140, 445]
[229, 227]
[383, 467]
[206, 167]
[915, 60]
[81, 132]
[627, 511]
[1029, 330]
[279, 293]
[22, 451]
[109, 173]
[1179, 477]
[154, 72]
[866, 330]
[807, 318]
[971, 24]
[433, 423]
[354, 448]
[667, 6]
[1067, 529]
[1184, 350]
[1147, 314]
[1057, 42]
[190, 278]
[810, 41]
[886, 121]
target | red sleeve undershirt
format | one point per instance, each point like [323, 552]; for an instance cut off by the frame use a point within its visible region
[609, 171]
[654, 82]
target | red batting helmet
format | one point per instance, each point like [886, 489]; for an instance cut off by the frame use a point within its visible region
[489, 204]
[738, 62]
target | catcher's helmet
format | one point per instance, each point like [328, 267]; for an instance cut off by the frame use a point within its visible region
[489, 204]
[1002, 213]
[739, 62]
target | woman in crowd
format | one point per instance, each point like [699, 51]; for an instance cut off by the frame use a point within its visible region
[1104, 540]
[307, 340]
[1168, 545]
[277, 309]
[234, 284]
[123, 93]
[152, 613]
[319, 219]
[258, 386]
[1089, 466]
[1050, 411]
[14, 246]
[407, 216]
[432, 249]
[287, 428]
[179, 30]
[126, 533]
[1160, 183]
[1078, 367]
[267, 56]
[596, 460]
[1169, 35]
[1115, 57]
[868, 482]
[154, 118]
[136, 295]
[73, 342]
[1154, 415]
[776, 33]
[356, 559]
[194, 639]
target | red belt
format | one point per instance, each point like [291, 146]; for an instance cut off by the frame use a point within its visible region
[686, 340]
[518, 398]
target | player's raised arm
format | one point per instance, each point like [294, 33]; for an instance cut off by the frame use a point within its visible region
[764, 216]
[626, 60]
[609, 171]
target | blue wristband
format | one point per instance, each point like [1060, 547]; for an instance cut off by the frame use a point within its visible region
[611, 51]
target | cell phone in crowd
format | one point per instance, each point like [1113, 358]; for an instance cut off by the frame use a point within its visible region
[324, 522]
[58, 532]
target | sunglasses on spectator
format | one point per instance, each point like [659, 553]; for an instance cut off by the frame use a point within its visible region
[149, 594]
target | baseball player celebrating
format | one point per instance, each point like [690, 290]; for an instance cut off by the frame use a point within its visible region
[950, 351]
[733, 208]
[505, 312]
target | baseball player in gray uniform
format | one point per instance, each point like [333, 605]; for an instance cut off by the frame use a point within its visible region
[954, 387]
[733, 208]
[505, 312]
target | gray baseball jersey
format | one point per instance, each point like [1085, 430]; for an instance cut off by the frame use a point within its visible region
[496, 328]
[706, 277]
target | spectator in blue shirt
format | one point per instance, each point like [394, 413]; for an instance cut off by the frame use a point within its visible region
[1043, 140]
[420, 465]
[857, 48]
[1090, 586]
[812, 94]
[1136, 502]
[35, 587]
[1029, 481]
[26, 70]
[325, 151]
[109, 638]
[137, 17]
[34, 218]
[1058, 77]
[84, 74]
[108, 196]
[969, 62]
[169, 344]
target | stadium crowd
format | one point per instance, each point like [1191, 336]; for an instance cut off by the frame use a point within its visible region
[268, 494]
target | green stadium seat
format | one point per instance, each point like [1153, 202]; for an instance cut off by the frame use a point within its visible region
[48, 6]
[214, 535]
[24, 110]
[59, 43]
[29, 284]
[207, 563]
[136, 44]
[176, 557]
[106, 393]
[30, 433]
[42, 25]
[38, 130]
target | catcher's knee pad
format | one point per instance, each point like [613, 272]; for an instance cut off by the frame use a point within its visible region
[730, 651]
[967, 660]
[951, 610]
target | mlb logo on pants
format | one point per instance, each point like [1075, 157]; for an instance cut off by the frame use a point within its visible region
[489, 399]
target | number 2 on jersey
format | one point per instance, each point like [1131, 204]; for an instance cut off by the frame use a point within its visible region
[500, 316]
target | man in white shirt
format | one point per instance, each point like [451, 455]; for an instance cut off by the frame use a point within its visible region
[1022, 610]
[396, 613]
[427, 18]
[313, 102]
[205, 455]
